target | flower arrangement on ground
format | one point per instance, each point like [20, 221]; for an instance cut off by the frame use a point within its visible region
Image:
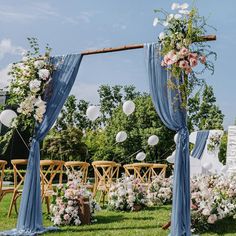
[213, 199]
[160, 191]
[182, 46]
[127, 194]
[214, 142]
[29, 80]
[65, 207]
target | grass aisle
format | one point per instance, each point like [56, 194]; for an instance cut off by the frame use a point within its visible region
[110, 223]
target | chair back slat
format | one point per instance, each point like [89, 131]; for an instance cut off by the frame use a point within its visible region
[75, 166]
[2, 169]
[19, 175]
[49, 169]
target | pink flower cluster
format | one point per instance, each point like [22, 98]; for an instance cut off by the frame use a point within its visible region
[184, 59]
[65, 207]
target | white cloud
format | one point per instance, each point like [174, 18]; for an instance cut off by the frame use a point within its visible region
[6, 47]
[4, 77]
[41, 11]
[86, 92]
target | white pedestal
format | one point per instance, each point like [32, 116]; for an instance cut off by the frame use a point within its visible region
[231, 150]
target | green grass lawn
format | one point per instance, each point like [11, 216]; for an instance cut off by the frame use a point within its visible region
[110, 223]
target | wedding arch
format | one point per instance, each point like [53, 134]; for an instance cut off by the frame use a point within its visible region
[30, 214]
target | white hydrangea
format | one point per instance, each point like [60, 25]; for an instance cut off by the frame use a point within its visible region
[44, 74]
[39, 64]
[27, 106]
[35, 85]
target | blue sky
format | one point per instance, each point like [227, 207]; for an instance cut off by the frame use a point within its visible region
[72, 26]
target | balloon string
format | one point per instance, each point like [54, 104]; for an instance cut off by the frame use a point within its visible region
[134, 153]
[22, 139]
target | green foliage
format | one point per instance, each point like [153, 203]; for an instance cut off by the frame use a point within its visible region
[65, 144]
[203, 113]
[223, 148]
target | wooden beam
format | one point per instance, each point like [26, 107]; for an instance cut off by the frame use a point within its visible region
[135, 46]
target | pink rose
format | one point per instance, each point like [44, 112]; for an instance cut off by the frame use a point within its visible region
[193, 55]
[202, 59]
[66, 217]
[193, 62]
[188, 70]
[184, 51]
[212, 219]
[183, 64]
[170, 58]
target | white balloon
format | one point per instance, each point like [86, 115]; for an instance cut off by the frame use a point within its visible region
[175, 138]
[171, 159]
[93, 112]
[153, 140]
[140, 156]
[128, 107]
[121, 136]
[207, 165]
[7, 116]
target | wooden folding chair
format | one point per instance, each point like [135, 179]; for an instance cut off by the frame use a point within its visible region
[49, 170]
[3, 190]
[74, 166]
[158, 169]
[141, 171]
[19, 178]
[105, 172]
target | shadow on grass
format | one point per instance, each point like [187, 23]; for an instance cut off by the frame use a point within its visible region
[107, 229]
[111, 219]
[223, 226]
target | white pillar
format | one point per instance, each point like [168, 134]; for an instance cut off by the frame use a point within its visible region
[231, 150]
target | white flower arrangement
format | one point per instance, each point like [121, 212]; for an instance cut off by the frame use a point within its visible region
[214, 142]
[30, 79]
[126, 194]
[213, 199]
[65, 206]
[160, 191]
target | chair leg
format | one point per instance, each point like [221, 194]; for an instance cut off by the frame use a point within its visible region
[15, 207]
[47, 200]
[12, 203]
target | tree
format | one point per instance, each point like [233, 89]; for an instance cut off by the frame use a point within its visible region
[65, 144]
[203, 113]
[111, 97]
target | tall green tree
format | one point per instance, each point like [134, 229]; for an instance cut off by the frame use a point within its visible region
[203, 113]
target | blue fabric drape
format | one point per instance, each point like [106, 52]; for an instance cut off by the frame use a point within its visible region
[167, 103]
[200, 144]
[30, 214]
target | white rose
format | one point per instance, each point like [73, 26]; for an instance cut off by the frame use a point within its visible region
[165, 23]
[161, 35]
[43, 74]
[177, 16]
[212, 219]
[206, 212]
[155, 21]
[184, 12]
[35, 85]
[39, 64]
[174, 6]
[184, 6]
[170, 17]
